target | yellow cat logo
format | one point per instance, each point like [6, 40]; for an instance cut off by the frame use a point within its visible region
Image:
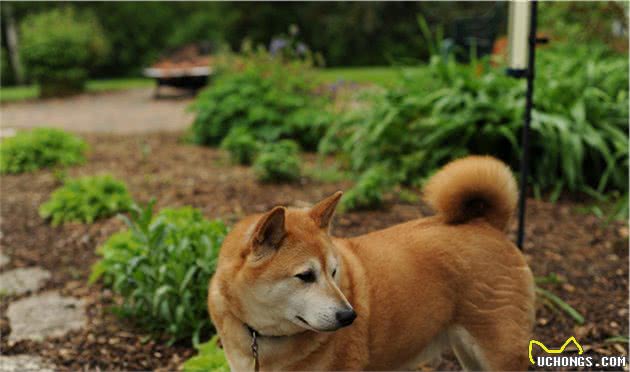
[554, 351]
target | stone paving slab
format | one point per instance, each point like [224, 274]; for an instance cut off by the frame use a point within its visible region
[19, 363]
[4, 259]
[45, 315]
[23, 280]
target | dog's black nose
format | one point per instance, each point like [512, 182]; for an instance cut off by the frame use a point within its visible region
[346, 317]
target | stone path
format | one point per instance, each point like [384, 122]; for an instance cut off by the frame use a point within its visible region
[45, 315]
[20, 281]
[35, 317]
[4, 259]
[19, 363]
[48, 314]
[128, 111]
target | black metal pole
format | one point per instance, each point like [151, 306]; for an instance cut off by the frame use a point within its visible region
[531, 67]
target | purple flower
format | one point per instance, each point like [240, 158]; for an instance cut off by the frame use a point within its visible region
[276, 45]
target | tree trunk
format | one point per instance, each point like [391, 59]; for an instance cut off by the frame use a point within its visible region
[12, 44]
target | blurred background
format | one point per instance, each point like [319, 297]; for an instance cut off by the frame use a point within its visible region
[134, 134]
[125, 37]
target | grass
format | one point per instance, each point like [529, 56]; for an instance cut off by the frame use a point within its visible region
[118, 84]
[377, 75]
[31, 92]
[21, 93]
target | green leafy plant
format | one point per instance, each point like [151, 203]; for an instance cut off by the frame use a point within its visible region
[241, 145]
[590, 22]
[551, 300]
[40, 148]
[278, 162]
[270, 97]
[618, 339]
[86, 199]
[555, 302]
[59, 46]
[161, 267]
[579, 126]
[370, 189]
[408, 196]
[209, 358]
[322, 172]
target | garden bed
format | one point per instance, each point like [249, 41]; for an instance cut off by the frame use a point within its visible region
[589, 256]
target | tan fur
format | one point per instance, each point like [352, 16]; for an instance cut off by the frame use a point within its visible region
[475, 186]
[449, 280]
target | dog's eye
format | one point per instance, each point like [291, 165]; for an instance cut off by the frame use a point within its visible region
[334, 272]
[307, 276]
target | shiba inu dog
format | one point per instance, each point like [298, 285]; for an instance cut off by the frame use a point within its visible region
[288, 296]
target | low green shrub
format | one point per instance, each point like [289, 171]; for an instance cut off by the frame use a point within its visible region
[579, 124]
[241, 145]
[86, 199]
[58, 47]
[40, 148]
[370, 189]
[161, 267]
[209, 358]
[272, 98]
[278, 162]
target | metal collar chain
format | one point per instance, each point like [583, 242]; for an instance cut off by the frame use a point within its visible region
[254, 347]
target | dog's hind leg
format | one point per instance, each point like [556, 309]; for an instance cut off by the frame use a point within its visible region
[496, 346]
[495, 320]
[495, 331]
[468, 352]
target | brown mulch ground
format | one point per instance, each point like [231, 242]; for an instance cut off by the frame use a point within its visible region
[589, 256]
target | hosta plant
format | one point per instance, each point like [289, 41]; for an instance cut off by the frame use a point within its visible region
[579, 124]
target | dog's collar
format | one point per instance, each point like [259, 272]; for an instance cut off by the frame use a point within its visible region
[254, 346]
[255, 335]
[252, 330]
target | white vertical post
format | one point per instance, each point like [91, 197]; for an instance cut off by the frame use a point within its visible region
[518, 34]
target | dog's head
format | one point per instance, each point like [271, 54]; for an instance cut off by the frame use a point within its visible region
[288, 272]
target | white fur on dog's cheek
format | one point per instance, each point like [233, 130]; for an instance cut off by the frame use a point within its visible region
[317, 307]
[266, 306]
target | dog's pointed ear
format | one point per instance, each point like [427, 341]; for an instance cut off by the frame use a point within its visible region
[323, 211]
[269, 231]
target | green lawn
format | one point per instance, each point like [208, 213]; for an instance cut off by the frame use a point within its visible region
[12, 94]
[376, 75]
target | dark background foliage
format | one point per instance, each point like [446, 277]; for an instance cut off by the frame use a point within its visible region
[346, 33]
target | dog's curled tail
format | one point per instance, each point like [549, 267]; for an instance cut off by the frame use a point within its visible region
[473, 187]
